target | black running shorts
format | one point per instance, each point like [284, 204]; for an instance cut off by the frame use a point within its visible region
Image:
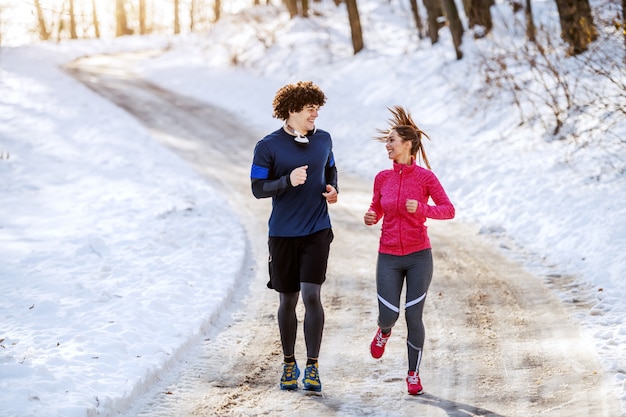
[293, 260]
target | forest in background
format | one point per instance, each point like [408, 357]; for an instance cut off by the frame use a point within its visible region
[581, 22]
[557, 67]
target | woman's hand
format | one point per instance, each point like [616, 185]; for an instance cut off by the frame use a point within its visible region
[411, 206]
[369, 218]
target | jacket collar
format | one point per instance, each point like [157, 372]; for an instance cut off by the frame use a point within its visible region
[399, 167]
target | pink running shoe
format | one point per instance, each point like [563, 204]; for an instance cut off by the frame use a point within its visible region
[377, 348]
[413, 383]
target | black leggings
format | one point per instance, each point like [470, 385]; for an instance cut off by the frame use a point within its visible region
[313, 319]
[391, 272]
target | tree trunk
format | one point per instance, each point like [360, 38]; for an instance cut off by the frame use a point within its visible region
[72, 21]
[121, 25]
[96, 23]
[217, 10]
[292, 7]
[355, 26]
[176, 17]
[418, 19]
[434, 11]
[44, 34]
[142, 17]
[192, 15]
[61, 25]
[454, 22]
[531, 31]
[624, 25]
[577, 27]
[479, 13]
[305, 8]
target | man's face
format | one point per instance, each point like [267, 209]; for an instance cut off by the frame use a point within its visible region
[304, 120]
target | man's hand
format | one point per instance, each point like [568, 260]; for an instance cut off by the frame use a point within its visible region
[298, 176]
[330, 194]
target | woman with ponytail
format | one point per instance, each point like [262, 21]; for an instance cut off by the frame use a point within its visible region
[402, 197]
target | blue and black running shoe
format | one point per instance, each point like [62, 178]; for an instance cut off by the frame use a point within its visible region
[289, 380]
[311, 380]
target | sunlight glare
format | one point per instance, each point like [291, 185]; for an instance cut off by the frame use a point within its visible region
[19, 19]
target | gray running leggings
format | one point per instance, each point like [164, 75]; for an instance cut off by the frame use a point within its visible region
[391, 272]
[313, 319]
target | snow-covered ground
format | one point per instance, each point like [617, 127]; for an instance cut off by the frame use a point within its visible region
[117, 256]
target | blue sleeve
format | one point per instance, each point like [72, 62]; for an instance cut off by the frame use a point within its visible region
[262, 185]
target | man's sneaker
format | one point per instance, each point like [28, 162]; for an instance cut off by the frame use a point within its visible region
[413, 383]
[291, 373]
[377, 348]
[311, 380]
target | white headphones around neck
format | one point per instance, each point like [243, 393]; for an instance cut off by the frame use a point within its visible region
[299, 137]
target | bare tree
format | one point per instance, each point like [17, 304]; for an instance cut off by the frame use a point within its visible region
[217, 10]
[456, 27]
[418, 20]
[305, 8]
[434, 11]
[556, 90]
[479, 14]
[94, 17]
[355, 26]
[61, 25]
[531, 30]
[192, 15]
[72, 21]
[577, 27]
[44, 34]
[292, 7]
[142, 17]
[176, 17]
[121, 22]
[624, 25]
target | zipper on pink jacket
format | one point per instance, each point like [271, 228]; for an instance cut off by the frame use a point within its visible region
[398, 208]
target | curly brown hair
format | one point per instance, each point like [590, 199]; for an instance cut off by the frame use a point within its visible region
[407, 129]
[295, 97]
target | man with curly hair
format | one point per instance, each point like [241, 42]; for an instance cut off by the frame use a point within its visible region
[295, 166]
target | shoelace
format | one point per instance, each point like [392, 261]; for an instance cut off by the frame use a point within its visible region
[381, 340]
[312, 372]
[413, 379]
[289, 371]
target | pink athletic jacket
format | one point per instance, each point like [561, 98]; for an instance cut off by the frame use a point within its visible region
[403, 232]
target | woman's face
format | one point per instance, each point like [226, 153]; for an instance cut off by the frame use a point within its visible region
[398, 150]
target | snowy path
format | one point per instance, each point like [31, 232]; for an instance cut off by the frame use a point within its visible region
[498, 342]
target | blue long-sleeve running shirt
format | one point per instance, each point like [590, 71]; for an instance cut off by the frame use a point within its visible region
[301, 210]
